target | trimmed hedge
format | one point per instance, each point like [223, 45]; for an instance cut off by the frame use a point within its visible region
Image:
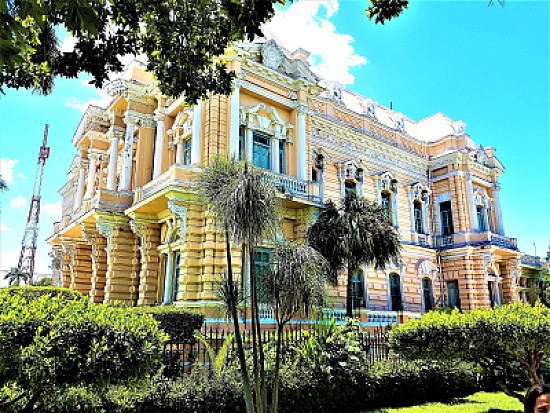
[34, 292]
[180, 325]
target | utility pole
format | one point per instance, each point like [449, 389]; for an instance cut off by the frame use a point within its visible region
[28, 244]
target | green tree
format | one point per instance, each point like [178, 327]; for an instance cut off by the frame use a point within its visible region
[358, 233]
[293, 283]
[17, 277]
[183, 40]
[49, 343]
[215, 183]
[506, 341]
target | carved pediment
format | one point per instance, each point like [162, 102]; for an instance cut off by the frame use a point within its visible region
[295, 65]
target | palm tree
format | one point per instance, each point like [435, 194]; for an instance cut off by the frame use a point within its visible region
[246, 206]
[295, 282]
[17, 277]
[358, 233]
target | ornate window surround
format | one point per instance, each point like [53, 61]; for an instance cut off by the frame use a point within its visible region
[388, 183]
[421, 194]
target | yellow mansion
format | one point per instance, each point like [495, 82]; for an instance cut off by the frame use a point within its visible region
[133, 228]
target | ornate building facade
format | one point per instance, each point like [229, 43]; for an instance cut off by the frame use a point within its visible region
[134, 230]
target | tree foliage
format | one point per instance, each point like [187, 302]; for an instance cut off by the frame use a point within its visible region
[49, 343]
[16, 276]
[183, 40]
[358, 233]
[507, 341]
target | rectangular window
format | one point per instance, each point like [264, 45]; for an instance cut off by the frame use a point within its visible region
[187, 152]
[428, 294]
[241, 142]
[262, 261]
[481, 218]
[452, 292]
[395, 293]
[357, 291]
[282, 157]
[350, 188]
[386, 205]
[418, 217]
[261, 151]
[446, 218]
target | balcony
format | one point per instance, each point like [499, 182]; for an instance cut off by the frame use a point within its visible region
[294, 187]
[176, 175]
[476, 239]
[532, 261]
[414, 238]
[106, 199]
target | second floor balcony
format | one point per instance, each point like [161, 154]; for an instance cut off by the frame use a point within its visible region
[475, 239]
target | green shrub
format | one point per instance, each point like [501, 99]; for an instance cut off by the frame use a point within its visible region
[49, 343]
[33, 292]
[179, 324]
[509, 343]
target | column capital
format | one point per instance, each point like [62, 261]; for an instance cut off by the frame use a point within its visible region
[496, 186]
[147, 122]
[160, 114]
[131, 117]
[115, 132]
[302, 108]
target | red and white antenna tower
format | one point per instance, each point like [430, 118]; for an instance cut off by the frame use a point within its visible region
[28, 245]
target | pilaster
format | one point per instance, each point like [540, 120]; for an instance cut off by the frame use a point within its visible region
[80, 263]
[122, 277]
[144, 152]
[148, 232]
[98, 263]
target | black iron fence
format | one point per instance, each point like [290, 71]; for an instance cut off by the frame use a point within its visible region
[180, 357]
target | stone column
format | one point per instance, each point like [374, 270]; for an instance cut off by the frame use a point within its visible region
[99, 261]
[144, 152]
[122, 276]
[93, 158]
[130, 119]
[395, 210]
[115, 133]
[498, 210]
[342, 180]
[168, 278]
[473, 212]
[425, 218]
[160, 115]
[234, 122]
[275, 155]
[179, 148]
[411, 209]
[302, 110]
[249, 145]
[81, 267]
[67, 249]
[58, 258]
[148, 231]
[80, 186]
[196, 137]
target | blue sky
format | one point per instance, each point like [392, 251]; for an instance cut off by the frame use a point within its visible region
[486, 66]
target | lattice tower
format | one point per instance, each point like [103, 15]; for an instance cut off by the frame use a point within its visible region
[28, 245]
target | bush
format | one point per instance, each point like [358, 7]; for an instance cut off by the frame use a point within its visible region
[179, 324]
[49, 343]
[34, 292]
[510, 343]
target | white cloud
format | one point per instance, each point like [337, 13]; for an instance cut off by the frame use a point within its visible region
[20, 175]
[18, 202]
[307, 24]
[67, 45]
[53, 210]
[4, 227]
[103, 99]
[8, 259]
[6, 169]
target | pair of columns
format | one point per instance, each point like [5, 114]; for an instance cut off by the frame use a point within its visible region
[95, 159]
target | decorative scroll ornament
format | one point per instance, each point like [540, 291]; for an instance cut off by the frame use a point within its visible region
[180, 212]
[271, 55]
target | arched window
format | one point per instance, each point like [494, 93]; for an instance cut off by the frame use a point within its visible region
[427, 294]
[395, 292]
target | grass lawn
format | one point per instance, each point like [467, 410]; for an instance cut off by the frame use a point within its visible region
[476, 403]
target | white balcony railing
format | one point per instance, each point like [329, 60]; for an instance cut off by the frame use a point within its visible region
[289, 185]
